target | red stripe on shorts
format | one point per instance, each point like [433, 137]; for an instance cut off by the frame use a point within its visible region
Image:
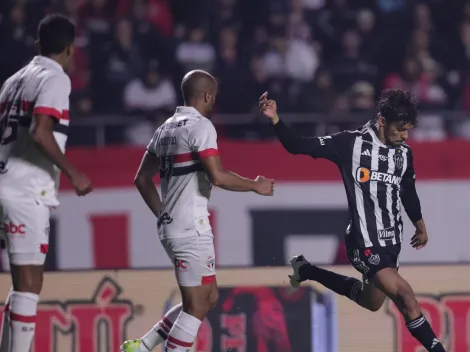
[206, 280]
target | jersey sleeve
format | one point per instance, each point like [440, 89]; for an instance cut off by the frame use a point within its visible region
[202, 139]
[408, 193]
[332, 147]
[152, 146]
[53, 97]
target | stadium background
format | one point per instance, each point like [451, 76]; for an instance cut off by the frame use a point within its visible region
[325, 62]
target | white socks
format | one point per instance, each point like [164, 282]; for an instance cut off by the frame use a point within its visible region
[23, 306]
[183, 333]
[159, 333]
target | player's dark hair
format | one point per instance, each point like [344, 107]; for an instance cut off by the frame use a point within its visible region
[55, 33]
[396, 105]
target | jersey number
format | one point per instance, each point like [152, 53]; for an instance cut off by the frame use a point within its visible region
[8, 134]
[166, 167]
[8, 131]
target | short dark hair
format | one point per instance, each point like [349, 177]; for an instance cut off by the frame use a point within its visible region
[55, 33]
[396, 105]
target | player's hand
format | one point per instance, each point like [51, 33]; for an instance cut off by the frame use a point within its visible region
[264, 186]
[81, 183]
[268, 108]
[419, 240]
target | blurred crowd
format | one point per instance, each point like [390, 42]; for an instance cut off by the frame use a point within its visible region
[325, 56]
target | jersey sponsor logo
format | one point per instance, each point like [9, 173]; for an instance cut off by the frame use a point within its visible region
[181, 264]
[172, 125]
[364, 175]
[366, 153]
[383, 157]
[387, 233]
[322, 139]
[12, 229]
[164, 218]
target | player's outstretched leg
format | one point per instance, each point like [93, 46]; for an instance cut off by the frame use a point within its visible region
[365, 295]
[400, 292]
[155, 336]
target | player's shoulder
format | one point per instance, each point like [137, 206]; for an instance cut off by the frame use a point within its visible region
[201, 124]
[346, 135]
[59, 78]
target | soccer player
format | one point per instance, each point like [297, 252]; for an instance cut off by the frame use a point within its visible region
[377, 170]
[34, 119]
[184, 152]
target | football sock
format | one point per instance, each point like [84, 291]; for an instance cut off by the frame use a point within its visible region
[183, 333]
[5, 336]
[342, 285]
[159, 333]
[422, 331]
[23, 306]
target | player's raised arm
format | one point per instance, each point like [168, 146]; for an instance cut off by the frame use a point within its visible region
[410, 200]
[203, 141]
[50, 108]
[326, 147]
[144, 182]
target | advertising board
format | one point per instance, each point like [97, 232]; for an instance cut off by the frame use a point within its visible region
[94, 311]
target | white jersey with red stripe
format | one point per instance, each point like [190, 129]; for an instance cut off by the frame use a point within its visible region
[41, 87]
[179, 144]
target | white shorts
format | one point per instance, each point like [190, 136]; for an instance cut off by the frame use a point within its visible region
[24, 228]
[193, 258]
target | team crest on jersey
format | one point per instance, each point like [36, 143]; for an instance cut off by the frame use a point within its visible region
[374, 259]
[398, 159]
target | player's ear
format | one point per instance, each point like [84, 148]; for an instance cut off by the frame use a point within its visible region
[381, 121]
[207, 97]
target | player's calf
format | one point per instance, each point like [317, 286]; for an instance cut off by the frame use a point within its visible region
[400, 292]
[23, 300]
[197, 301]
[364, 295]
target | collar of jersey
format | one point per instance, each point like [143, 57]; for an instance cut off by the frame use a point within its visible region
[187, 110]
[47, 61]
[375, 139]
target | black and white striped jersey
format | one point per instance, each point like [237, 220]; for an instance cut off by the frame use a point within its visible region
[378, 179]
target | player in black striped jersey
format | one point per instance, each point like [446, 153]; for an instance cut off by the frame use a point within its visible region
[377, 170]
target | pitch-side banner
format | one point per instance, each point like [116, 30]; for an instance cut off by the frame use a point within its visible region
[95, 311]
[112, 228]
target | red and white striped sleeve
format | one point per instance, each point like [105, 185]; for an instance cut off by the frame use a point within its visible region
[203, 139]
[53, 97]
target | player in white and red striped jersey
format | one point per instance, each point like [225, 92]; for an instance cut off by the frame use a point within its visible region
[34, 121]
[184, 151]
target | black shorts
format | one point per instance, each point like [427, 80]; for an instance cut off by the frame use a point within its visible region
[369, 261]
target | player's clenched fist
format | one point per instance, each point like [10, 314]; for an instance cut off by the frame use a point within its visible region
[268, 108]
[264, 186]
[81, 183]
